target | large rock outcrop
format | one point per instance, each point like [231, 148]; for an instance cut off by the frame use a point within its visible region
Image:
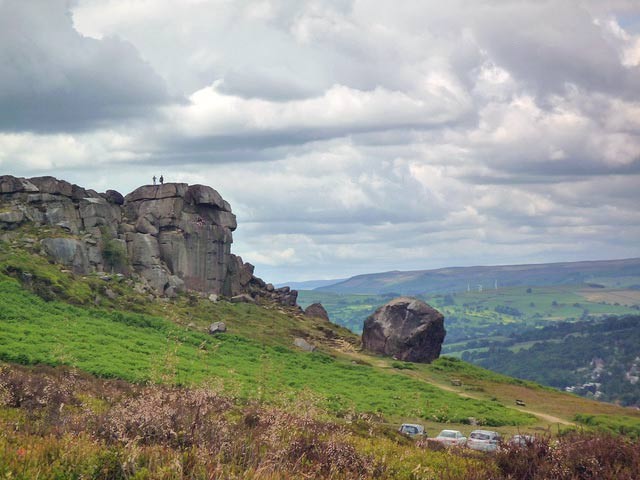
[177, 230]
[405, 328]
[171, 237]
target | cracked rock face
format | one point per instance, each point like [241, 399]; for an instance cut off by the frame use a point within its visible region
[173, 236]
[406, 329]
[184, 231]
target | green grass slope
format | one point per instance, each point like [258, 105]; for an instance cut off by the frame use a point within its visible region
[142, 348]
[134, 387]
[52, 317]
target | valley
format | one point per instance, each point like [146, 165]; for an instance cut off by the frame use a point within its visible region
[550, 334]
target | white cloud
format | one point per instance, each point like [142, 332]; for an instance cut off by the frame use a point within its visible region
[349, 136]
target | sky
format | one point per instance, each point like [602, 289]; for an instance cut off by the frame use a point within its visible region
[349, 136]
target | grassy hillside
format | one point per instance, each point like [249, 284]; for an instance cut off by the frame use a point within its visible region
[141, 348]
[501, 329]
[126, 371]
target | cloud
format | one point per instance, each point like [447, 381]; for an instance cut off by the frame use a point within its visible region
[349, 136]
[550, 47]
[52, 79]
[337, 112]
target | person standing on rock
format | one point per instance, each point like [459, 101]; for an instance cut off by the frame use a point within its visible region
[154, 179]
[161, 180]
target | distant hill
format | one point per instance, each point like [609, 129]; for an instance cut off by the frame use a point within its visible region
[456, 279]
[311, 284]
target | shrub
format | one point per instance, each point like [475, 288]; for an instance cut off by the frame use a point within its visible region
[164, 416]
[573, 456]
[114, 254]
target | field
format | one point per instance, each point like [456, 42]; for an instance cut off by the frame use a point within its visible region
[476, 315]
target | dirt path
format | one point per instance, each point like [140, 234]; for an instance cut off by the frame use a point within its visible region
[546, 416]
[543, 416]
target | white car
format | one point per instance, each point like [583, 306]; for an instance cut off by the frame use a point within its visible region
[451, 437]
[484, 440]
[412, 429]
[522, 440]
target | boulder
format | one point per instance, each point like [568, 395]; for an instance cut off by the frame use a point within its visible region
[316, 310]
[405, 328]
[203, 195]
[110, 294]
[114, 196]
[53, 186]
[12, 216]
[217, 327]
[302, 344]
[242, 298]
[68, 252]
[155, 192]
[170, 292]
[168, 231]
[10, 184]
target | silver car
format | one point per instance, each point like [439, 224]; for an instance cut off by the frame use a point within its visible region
[451, 437]
[484, 440]
[522, 440]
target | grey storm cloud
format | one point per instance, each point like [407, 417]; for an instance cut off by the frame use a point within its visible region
[547, 45]
[54, 79]
[349, 136]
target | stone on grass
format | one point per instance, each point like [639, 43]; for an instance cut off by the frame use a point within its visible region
[242, 298]
[217, 327]
[302, 344]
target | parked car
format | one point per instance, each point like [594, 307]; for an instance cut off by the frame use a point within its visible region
[522, 440]
[412, 429]
[484, 440]
[451, 437]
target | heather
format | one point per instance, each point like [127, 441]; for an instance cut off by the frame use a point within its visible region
[62, 423]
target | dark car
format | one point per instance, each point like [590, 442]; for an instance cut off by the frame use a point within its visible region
[412, 429]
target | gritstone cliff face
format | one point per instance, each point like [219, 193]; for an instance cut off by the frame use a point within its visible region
[172, 237]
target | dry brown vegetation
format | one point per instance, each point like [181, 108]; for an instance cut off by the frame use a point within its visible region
[61, 423]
